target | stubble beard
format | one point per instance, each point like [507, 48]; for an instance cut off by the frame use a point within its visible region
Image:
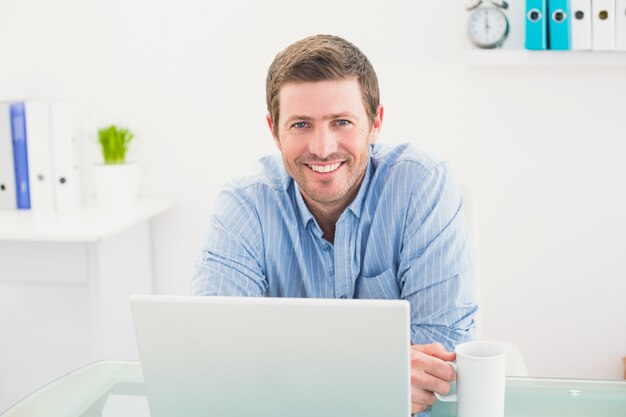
[349, 188]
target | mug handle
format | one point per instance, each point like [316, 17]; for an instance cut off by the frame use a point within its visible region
[449, 397]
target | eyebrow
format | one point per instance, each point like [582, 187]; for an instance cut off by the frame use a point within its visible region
[342, 115]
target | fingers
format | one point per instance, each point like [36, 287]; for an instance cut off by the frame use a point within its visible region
[435, 349]
[425, 381]
[429, 373]
[422, 363]
[421, 400]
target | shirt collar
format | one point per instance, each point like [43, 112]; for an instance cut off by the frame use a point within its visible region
[305, 213]
[355, 205]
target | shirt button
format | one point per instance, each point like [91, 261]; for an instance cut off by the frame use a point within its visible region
[343, 297]
[326, 248]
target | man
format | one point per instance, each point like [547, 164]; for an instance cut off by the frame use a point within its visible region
[342, 217]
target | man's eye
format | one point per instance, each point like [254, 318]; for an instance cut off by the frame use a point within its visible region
[342, 122]
[299, 125]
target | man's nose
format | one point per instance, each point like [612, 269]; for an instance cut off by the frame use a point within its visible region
[323, 143]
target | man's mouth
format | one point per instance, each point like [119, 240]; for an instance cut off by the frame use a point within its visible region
[325, 168]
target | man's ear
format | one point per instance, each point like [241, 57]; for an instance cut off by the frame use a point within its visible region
[377, 125]
[270, 124]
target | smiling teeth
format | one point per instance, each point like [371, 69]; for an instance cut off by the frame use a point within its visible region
[325, 168]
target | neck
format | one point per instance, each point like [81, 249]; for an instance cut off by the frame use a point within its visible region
[327, 213]
[327, 219]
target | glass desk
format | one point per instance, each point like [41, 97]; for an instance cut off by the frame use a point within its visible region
[115, 389]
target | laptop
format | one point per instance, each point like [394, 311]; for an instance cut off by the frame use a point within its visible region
[273, 357]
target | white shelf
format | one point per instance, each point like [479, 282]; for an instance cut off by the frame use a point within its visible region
[86, 224]
[521, 57]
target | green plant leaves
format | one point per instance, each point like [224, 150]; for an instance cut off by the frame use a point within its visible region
[114, 142]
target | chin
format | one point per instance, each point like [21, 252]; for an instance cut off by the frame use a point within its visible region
[326, 198]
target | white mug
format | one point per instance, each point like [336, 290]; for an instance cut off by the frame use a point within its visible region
[480, 375]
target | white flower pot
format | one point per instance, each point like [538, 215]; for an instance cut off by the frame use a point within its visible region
[116, 185]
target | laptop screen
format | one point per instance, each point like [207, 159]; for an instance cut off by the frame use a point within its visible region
[233, 356]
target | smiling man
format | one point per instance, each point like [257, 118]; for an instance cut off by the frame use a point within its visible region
[324, 135]
[343, 217]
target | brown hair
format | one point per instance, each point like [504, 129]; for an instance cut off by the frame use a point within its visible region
[320, 58]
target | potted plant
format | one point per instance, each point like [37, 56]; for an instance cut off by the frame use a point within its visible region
[116, 179]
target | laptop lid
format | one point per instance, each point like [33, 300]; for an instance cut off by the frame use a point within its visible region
[245, 356]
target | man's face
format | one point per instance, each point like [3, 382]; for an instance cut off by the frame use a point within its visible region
[324, 136]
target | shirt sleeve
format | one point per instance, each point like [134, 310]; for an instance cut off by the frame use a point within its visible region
[436, 262]
[231, 259]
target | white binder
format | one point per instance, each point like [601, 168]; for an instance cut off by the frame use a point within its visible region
[8, 199]
[580, 11]
[620, 25]
[66, 154]
[603, 25]
[39, 155]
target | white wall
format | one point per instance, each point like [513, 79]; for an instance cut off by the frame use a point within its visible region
[540, 147]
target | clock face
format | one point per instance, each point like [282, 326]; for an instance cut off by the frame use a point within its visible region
[487, 27]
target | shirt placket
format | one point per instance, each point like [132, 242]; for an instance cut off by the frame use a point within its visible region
[343, 249]
[328, 251]
[327, 261]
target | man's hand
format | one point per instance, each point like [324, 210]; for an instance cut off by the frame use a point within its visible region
[429, 373]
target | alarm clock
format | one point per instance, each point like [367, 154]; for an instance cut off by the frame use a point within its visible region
[487, 26]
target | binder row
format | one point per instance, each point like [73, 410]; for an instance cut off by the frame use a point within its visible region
[578, 25]
[39, 155]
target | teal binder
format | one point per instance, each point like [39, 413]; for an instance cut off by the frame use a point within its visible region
[536, 25]
[559, 24]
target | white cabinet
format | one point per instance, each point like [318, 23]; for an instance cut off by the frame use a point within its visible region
[65, 279]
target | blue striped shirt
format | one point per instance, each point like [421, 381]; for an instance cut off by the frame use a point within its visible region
[403, 237]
